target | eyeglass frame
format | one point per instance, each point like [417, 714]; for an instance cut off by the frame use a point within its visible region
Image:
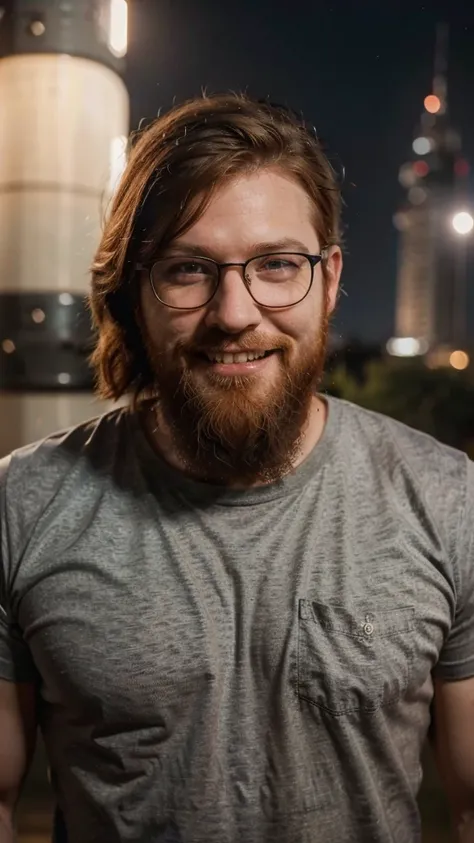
[314, 260]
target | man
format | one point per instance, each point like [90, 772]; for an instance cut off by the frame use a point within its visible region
[236, 608]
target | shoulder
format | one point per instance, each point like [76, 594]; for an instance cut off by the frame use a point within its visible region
[423, 474]
[391, 442]
[57, 452]
[31, 476]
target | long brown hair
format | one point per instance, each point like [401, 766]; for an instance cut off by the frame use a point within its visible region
[174, 167]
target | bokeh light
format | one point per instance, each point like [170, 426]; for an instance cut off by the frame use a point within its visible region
[405, 346]
[422, 146]
[8, 346]
[463, 222]
[432, 104]
[461, 167]
[421, 168]
[459, 360]
[416, 195]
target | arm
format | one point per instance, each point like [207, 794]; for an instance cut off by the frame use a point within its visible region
[18, 675]
[453, 743]
[453, 720]
[17, 744]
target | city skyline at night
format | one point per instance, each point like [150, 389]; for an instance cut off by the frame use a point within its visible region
[359, 78]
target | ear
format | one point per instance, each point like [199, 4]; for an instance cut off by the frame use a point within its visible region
[333, 267]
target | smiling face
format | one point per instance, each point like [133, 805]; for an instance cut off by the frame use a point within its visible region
[235, 418]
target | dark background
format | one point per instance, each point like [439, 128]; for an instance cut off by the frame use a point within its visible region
[358, 71]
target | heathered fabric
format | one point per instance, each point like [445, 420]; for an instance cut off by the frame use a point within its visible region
[223, 666]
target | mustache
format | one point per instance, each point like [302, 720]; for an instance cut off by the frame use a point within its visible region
[216, 343]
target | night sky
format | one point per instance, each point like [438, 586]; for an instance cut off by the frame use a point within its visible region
[358, 71]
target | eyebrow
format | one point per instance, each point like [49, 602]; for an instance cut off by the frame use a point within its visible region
[286, 244]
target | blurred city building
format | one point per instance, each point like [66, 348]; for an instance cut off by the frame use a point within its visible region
[64, 121]
[434, 224]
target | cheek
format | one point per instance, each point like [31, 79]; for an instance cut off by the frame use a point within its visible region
[302, 323]
[168, 329]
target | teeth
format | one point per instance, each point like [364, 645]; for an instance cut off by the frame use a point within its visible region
[241, 357]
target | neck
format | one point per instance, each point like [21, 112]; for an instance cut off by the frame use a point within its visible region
[163, 442]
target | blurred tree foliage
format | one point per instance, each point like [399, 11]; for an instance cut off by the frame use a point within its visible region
[437, 401]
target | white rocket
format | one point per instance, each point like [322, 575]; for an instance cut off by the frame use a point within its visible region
[64, 120]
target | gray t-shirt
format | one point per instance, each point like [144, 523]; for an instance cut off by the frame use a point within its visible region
[222, 666]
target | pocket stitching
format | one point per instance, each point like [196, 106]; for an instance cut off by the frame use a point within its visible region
[368, 709]
[408, 626]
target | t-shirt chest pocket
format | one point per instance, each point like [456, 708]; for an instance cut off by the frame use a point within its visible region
[355, 658]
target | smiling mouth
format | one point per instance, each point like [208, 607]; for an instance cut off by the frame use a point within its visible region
[236, 357]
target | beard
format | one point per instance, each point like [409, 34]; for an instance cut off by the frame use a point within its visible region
[237, 430]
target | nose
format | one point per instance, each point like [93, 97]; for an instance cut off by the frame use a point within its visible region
[232, 309]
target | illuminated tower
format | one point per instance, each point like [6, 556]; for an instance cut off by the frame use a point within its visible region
[64, 118]
[431, 294]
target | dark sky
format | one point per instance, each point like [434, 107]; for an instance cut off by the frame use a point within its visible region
[357, 69]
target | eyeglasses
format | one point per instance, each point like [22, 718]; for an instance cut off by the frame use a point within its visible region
[274, 280]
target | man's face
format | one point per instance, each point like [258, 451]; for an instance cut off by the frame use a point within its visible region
[242, 421]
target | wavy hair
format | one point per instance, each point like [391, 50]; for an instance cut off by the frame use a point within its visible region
[174, 167]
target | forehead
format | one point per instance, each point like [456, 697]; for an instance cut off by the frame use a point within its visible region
[255, 208]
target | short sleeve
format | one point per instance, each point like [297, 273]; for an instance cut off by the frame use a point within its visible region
[16, 663]
[457, 656]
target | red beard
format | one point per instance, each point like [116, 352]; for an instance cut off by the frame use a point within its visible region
[228, 430]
